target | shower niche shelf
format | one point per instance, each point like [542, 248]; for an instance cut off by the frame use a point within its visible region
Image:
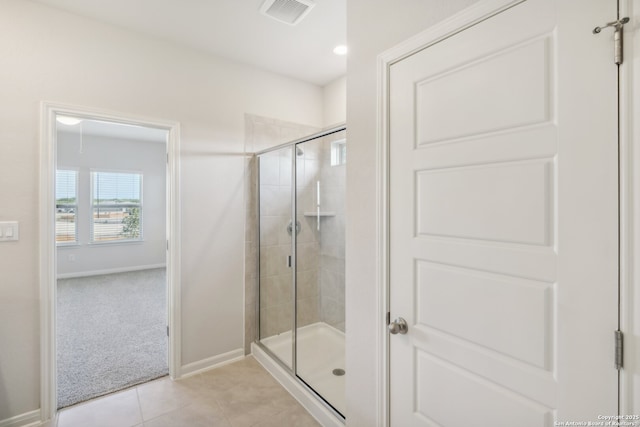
[315, 214]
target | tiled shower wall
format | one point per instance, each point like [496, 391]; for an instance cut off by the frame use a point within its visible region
[331, 279]
[308, 165]
[260, 133]
[321, 249]
[276, 308]
[320, 254]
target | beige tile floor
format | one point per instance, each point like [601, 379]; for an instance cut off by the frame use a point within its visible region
[240, 394]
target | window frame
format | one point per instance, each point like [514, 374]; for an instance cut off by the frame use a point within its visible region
[92, 207]
[339, 152]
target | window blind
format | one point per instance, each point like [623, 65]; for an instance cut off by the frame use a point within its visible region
[116, 206]
[66, 206]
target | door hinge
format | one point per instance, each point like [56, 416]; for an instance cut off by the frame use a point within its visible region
[167, 245]
[618, 349]
[167, 330]
[617, 37]
[167, 158]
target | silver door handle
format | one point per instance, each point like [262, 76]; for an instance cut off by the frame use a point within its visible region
[398, 326]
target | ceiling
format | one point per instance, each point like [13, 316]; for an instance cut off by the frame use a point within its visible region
[234, 29]
[115, 130]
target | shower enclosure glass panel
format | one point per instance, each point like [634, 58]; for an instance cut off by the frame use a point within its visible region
[302, 261]
[276, 274]
[320, 262]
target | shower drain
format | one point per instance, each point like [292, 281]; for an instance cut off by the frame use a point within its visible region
[338, 372]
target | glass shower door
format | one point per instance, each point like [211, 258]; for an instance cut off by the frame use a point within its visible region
[276, 275]
[320, 264]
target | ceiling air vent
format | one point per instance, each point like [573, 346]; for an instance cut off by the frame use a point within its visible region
[288, 11]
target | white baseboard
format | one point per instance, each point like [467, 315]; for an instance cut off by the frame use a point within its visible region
[27, 419]
[109, 271]
[306, 398]
[211, 362]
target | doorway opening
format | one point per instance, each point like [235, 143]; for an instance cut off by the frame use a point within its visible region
[110, 257]
[110, 254]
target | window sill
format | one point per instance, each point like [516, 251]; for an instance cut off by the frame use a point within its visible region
[68, 245]
[116, 243]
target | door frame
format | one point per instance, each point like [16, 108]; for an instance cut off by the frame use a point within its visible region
[464, 19]
[629, 111]
[48, 268]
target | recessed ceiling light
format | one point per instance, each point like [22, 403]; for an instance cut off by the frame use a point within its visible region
[340, 50]
[69, 121]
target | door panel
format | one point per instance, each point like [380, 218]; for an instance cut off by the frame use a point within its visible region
[442, 387]
[503, 221]
[276, 279]
[487, 95]
[320, 263]
[486, 300]
[500, 207]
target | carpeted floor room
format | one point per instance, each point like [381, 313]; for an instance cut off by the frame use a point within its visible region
[111, 333]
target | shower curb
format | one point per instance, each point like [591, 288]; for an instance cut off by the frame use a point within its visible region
[325, 416]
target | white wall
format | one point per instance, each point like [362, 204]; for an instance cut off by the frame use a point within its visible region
[112, 154]
[373, 27]
[46, 54]
[334, 96]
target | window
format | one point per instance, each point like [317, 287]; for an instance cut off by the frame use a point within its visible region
[66, 206]
[339, 152]
[116, 206]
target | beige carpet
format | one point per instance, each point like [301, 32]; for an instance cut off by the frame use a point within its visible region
[111, 333]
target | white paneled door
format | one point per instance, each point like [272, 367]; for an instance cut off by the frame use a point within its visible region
[503, 241]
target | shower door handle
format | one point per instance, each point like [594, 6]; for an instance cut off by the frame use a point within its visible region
[398, 326]
[290, 228]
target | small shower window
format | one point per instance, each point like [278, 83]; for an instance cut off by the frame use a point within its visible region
[339, 152]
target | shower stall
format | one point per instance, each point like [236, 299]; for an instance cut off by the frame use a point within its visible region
[301, 218]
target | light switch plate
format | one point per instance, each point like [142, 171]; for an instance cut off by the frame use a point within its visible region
[9, 231]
